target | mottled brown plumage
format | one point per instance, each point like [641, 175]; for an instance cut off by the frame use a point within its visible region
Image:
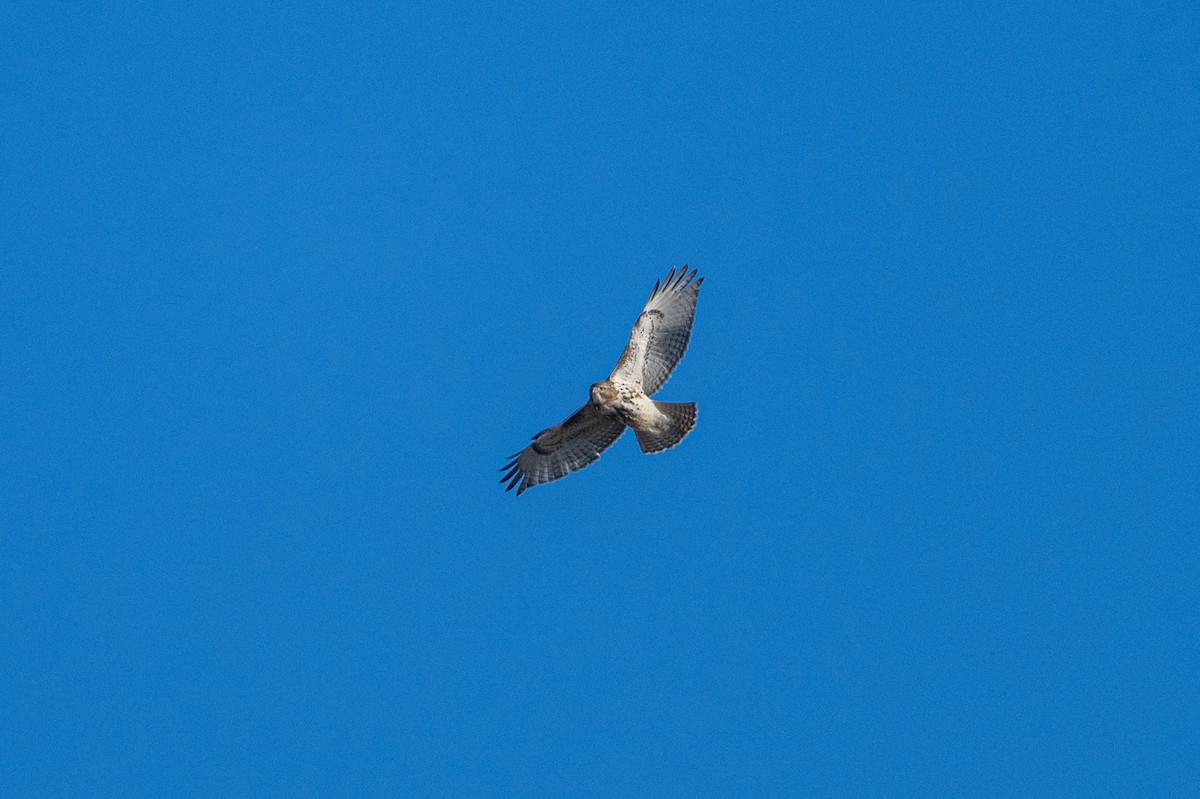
[656, 346]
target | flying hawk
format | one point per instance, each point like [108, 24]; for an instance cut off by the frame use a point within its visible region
[656, 346]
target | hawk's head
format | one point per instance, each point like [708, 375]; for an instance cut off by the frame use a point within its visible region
[604, 394]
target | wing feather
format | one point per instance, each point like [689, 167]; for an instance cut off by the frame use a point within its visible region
[557, 451]
[661, 334]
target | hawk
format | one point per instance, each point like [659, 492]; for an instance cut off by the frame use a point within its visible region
[656, 346]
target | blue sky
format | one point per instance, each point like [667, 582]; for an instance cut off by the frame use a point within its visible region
[284, 285]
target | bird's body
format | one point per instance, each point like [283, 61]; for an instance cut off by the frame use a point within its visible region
[657, 344]
[628, 404]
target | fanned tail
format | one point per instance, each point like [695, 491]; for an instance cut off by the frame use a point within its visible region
[680, 418]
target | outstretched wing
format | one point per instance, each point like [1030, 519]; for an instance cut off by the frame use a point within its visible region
[661, 334]
[564, 448]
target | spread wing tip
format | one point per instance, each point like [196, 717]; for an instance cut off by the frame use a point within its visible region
[677, 280]
[514, 475]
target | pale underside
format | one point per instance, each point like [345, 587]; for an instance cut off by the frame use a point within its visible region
[656, 346]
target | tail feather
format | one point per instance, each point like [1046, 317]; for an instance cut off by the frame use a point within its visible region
[680, 418]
